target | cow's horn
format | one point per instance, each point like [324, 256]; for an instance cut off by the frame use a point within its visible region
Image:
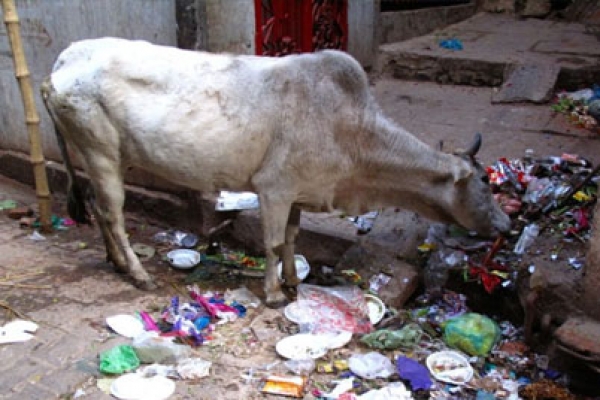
[471, 151]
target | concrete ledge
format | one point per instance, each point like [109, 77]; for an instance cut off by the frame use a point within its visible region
[190, 211]
[395, 26]
[491, 45]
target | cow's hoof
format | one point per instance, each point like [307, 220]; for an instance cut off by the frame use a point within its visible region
[277, 301]
[146, 285]
[291, 283]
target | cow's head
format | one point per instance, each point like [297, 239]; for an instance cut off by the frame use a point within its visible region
[473, 205]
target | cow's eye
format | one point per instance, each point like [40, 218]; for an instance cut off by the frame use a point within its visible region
[485, 179]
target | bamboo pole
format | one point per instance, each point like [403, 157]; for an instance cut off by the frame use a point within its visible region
[32, 119]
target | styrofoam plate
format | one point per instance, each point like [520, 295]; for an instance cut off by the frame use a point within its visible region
[450, 367]
[183, 258]
[376, 308]
[301, 347]
[136, 387]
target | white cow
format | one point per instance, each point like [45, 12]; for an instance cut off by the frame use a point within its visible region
[304, 132]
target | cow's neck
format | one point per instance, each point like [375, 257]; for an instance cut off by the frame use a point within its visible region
[399, 170]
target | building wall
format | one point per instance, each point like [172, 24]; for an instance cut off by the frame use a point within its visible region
[47, 27]
[363, 16]
[230, 26]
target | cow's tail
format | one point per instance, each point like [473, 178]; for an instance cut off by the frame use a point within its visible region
[75, 198]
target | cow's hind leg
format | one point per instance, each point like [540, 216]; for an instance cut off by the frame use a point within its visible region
[113, 252]
[274, 215]
[290, 277]
[107, 179]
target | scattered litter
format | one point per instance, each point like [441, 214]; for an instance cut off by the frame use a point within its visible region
[7, 204]
[473, 333]
[371, 365]
[144, 251]
[125, 325]
[36, 236]
[333, 309]
[193, 368]
[302, 267]
[393, 391]
[243, 296]
[376, 308]
[301, 367]
[151, 348]
[119, 359]
[530, 232]
[341, 386]
[228, 201]
[301, 347]
[384, 339]
[451, 44]
[364, 222]
[183, 258]
[285, 385]
[414, 372]
[17, 331]
[176, 238]
[137, 387]
[450, 367]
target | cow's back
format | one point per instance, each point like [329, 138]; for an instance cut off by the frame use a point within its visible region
[212, 121]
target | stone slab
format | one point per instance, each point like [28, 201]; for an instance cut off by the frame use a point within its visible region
[528, 83]
[396, 280]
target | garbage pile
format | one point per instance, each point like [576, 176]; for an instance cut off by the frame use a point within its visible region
[552, 196]
[582, 108]
[165, 343]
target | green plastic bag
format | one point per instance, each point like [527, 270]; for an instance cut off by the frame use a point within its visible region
[384, 339]
[119, 359]
[472, 333]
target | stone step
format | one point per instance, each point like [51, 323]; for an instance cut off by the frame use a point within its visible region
[493, 44]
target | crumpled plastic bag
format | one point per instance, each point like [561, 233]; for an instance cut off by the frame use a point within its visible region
[193, 368]
[371, 365]
[472, 333]
[333, 309]
[414, 372]
[119, 359]
[393, 391]
[384, 339]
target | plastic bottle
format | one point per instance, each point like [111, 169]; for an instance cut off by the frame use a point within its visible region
[530, 232]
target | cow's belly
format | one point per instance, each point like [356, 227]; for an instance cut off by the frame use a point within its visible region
[198, 146]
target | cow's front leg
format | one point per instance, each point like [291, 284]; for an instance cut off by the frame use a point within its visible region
[274, 215]
[290, 276]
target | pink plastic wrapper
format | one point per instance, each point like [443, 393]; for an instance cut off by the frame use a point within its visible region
[334, 309]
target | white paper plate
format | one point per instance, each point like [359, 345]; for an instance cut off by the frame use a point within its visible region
[125, 325]
[299, 314]
[457, 369]
[376, 308]
[136, 387]
[301, 347]
[183, 258]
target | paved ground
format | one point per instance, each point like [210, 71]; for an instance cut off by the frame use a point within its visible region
[73, 290]
[490, 43]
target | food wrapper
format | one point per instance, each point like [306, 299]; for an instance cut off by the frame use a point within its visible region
[292, 386]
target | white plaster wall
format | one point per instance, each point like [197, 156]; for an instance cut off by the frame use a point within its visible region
[47, 27]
